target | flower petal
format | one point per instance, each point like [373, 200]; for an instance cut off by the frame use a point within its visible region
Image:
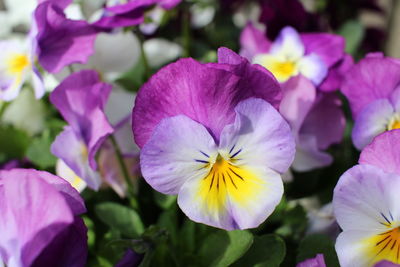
[371, 121]
[312, 67]
[176, 152]
[289, 44]
[383, 152]
[261, 135]
[366, 198]
[253, 41]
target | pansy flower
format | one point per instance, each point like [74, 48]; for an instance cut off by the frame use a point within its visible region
[366, 205]
[81, 99]
[291, 53]
[17, 65]
[39, 222]
[209, 135]
[318, 261]
[372, 88]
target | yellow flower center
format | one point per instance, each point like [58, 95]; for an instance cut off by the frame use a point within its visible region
[385, 246]
[282, 68]
[17, 63]
[227, 180]
[394, 123]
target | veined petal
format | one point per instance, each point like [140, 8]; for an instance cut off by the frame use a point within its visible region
[178, 150]
[371, 121]
[288, 44]
[365, 198]
[232, 197]
[312, 67]
[260, 136]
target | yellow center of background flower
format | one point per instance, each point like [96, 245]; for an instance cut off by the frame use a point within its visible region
[282, 70]
[17, 63]
[394, 124]
[226, 180]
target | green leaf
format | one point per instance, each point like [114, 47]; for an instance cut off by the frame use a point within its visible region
[39, 151]
[120, 218]
[164, 201]
[267, 250]
[353, 31]
[13, 143]
[311, 245]
[223, 248]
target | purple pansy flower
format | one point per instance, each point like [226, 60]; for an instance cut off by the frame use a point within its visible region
[130, 13]
[61, 41]
[40, 225]
[81, 99]
[373, 90]
[366, 205]
[309, 54]
[318, 261]
[386, 263]
[208, 135]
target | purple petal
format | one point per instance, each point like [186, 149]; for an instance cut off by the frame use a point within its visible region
[298, 98]
[383, 152]
[336, 74]
[253, 41]
[130, 259]
[312, 67]
[206, 93]
[386, 263]
[73, 152]
[60, 41]
[308, 155]
[168, 4]
[176, 149]
[318, 261]
[68, 249]
[371, 121]
[326, 121]
[33, 213]
[38, 84]
[81, 99]
[329, 47]
[371, 79]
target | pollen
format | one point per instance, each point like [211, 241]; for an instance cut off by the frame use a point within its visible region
[17, 63]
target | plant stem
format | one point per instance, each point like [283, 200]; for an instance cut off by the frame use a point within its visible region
[125, 173]
[186, 30]
[143, 53]
[3, 107]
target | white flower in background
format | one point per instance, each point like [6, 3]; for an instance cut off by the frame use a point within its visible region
[155, 17]
[160, 51]
[23, 107]
[249, 12]
[16, 67]
[201, 15]
[19, 12]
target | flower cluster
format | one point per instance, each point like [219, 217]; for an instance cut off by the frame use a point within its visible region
[197, 133]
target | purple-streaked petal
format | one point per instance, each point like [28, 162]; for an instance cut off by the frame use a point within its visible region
[329, 47]
[175, 153]
[289, 44]
[206, 93]
[68, 249]
[253, 41]
[367, 195]
[383, 152]
[312, 67]
[261, 134]
[336, 74]
[81, 99]
[60, 41]
[298, 98]
[308, 155]
[259, 146]
[73, 152]
[371, 79]
[33, 213]
[318, 261]
[371, 121]
[326, 121]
